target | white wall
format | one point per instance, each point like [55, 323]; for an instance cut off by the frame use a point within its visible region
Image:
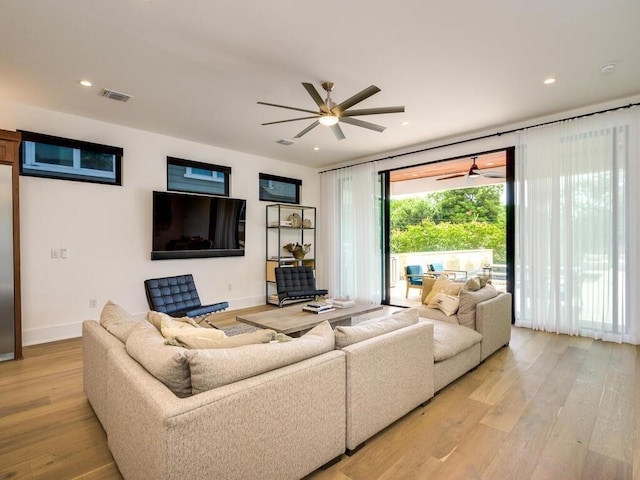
[107, 229]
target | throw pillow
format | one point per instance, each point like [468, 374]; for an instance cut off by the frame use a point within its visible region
[168, 364]
[155, 318]
[476, 283]
[440, 285]
[172, 328]
[346, 336]
[216, 367]
[427, 285]
[468, 302]
[117, 321]
[251, 338]
[448, 304]
[473, 284]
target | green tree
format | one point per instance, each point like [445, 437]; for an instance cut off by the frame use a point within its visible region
[482, 204]
[464, 219]
[410, 211]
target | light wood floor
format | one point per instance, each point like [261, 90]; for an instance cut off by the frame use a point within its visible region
[547, 407]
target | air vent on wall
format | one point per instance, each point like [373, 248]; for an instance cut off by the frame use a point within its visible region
[113, 95]
[285, 142]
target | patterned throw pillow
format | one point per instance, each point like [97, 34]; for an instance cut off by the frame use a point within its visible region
[443, 285]
[445, 303]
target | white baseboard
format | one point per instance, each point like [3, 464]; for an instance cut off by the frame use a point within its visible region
[36, 336]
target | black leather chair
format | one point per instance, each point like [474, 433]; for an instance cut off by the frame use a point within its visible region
[177, 296]
[295, 284]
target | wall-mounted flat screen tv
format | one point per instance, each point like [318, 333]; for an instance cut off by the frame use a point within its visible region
[197, 226]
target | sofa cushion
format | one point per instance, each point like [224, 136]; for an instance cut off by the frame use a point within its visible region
[450, 339]
[448, 304]
[213, 368]
[429, 313]
[117, 321]
[196, 341]
[374, 327]
[468, 302]
[167, 363]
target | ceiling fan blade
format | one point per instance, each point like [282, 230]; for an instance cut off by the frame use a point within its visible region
[337, 131]
[363, 124]
[357, 98]
[311, 90]
[372, 111]
[491, 174]
[458, 175]
[288, 108]
[290, 120]
[308, 129]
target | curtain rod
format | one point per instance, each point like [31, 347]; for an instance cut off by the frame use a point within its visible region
[483, 137]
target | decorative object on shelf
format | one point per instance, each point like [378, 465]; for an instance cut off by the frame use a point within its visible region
[306, 223]
[298, 251]
[295, 219]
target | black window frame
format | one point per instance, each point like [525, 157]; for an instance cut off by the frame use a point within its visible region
[265, 177]
[181, 162]
[42, 138]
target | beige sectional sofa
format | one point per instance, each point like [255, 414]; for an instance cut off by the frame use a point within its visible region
[279, 424]
[462, 340]
[271, 411]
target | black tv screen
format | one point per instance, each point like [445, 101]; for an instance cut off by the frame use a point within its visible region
[197, 226]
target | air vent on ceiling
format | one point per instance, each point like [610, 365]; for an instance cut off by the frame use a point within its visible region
[113, 95]
[285, 142]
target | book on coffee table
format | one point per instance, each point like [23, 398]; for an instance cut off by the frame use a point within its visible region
[323, 309]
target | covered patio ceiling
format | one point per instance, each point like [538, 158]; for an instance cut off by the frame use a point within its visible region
[430, 177]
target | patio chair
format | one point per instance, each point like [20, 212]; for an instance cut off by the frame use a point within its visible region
[413, 276]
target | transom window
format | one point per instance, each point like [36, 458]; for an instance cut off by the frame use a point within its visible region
[67, 159]
[197, 177]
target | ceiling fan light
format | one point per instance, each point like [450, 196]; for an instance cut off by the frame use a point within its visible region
[328, 120]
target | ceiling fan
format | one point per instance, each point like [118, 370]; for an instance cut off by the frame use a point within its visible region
[331, 114]
[473, 172]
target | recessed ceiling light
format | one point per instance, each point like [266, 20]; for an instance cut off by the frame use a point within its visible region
[608, 68]
[550, 80]
[316, 148]
[404, 124]
[85, 83]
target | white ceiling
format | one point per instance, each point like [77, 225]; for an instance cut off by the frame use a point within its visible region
[196, 68]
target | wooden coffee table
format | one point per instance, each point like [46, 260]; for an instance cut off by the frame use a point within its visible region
[294, 321]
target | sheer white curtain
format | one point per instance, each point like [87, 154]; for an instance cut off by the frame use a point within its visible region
[577, 216]
[351, 232]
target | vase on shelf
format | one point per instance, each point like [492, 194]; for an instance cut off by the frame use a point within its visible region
[298, 251]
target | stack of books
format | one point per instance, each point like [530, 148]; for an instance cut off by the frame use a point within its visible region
[318, 307]
[341, 302]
